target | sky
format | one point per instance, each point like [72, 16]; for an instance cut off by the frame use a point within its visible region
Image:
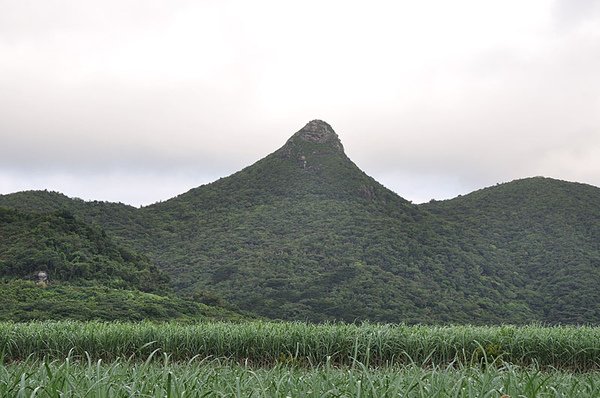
[136, 101]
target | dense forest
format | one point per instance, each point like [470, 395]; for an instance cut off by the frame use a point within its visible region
[305, 234]
[54, 266]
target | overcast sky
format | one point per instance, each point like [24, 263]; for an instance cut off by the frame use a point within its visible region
[138, 101]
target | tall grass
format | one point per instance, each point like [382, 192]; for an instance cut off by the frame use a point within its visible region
[268, 343]
[129, 378]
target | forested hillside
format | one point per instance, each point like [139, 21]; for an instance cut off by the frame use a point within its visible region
[305, 234]
[541, 234]
[54, 266]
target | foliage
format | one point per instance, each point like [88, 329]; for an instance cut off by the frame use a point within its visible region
[90, 276]
[25, 301]
[69, 250]
[304, 234]
[541, 238]
[263, 343]
[220, 379]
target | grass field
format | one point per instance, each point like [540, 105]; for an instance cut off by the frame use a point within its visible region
[216, 379]
[94, 359]
[267, 343]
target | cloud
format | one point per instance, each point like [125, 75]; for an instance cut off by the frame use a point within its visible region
[434, 99]
[571, 14]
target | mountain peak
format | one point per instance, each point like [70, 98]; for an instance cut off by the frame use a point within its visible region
[318, 131]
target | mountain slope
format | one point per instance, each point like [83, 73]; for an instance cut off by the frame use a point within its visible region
[305, 234]
[53, 266]
[67, 249]
[541, 234]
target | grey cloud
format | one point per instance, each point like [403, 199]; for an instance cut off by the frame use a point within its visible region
[123, 186]
[519, 111]
[122, 99]
[570, 13]
[23, 20]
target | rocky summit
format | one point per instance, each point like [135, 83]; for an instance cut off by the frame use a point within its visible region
[318, 131]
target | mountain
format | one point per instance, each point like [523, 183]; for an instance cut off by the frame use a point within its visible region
[541, 234]
[305, 234]
[54, 266]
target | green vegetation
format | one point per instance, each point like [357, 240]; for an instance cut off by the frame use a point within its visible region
[25, 301]
[216, 379]
[304, 234]
[267, 343]
[269, 359]
[68, 250]
[89, 275]
[541, 239]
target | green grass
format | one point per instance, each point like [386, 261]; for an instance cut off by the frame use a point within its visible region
[197, 378]
[269, 359]
[268, 343]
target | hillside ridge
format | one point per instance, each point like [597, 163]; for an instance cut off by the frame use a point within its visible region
[304, 233]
